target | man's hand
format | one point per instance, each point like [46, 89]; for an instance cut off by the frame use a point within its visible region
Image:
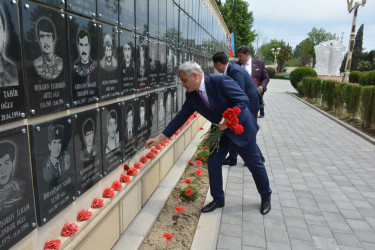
[260, 88]
[155, 141]
[222, 125]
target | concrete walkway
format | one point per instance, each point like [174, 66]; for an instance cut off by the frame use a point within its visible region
[323, 181]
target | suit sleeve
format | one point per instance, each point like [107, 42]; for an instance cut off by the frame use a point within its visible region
[182, 116]
[239, 78]
[234, 93]
[265, 77]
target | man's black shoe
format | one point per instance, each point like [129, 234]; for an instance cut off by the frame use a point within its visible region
[229, 161]
[212, 206]
[265, 207]
[261, 116]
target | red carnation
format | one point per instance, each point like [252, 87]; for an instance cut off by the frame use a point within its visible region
[198, 163]
[168, 236]
[159, 147]
[237, 110]
[97, 203]
[154, 150]
[195, 114]
[108, 193]
[143, 159]
[178, 199]
[198, 172]
[189, 192]
[84, 214]
[188, 181]
[255, 80]
[177, 132]
[116, 185]
[126, 167]
[206, 147]
[238, 129]
[69, 229]
[190, 162]
[166, 140]
[202, 159]
[201, 128]
[132, 172]
[163, 144]
[138, 165]
[150, 155]
[52, 245]
[179, 209]
[124, 178]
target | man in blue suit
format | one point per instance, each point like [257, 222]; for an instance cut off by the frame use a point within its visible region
[240, 75]
[210, 96]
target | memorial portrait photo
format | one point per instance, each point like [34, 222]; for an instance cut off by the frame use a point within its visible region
[154, 113]
[108, 61]
[130, 142]
[84, 65]
[142, 63]
[128, 66]
[113, 140]
[90, 150]
[142, 115]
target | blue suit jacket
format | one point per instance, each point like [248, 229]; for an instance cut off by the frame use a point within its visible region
[247, 84]
[223, 92]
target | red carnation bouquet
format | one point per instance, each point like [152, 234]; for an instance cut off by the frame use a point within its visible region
[231, 121]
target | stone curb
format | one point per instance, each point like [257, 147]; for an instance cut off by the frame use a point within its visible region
[350, 128]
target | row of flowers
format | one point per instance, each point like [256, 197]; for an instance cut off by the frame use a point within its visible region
[71, 228]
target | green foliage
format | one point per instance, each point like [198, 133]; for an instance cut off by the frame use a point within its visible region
[312, 87]
[271, 72]
[299, 73]
[239, 21]
[284, 54]
[354, 76]
[301, 89]
[328, 89]
[204, 154]
[364, 65]
[357, 50]
[338, 100]
[352, 98]
[368, 102]
[190, 198]
[367, 78]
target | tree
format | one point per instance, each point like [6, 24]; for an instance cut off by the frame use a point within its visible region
[239, 21]
[284, 55]
[357, 55]
[305, 51]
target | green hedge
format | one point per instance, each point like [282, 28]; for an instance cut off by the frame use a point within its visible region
[271, 72]
[354, 76]
[352, 98]
[328, 89]
[368, 105]
[367, 78]
[299, 73]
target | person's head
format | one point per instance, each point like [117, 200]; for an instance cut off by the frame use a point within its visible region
[108, 47]
[191, 75]
[129, 117]
[112, 123]
[3, 32]
[7, 153]
[221, 61]
[55, 136]
[45, 32]
[84, 45]
[243, 54]
[127, 50]
[142, 112]
[88, 132]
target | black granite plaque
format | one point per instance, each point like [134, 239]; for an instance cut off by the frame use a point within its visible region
[153, 18]
[108, 11]
[142, 63]
[142, 119]
[17, 212]
[162, 19]
[87, 144]
[153, 114]
[174, 102]
[45, 59]
[154, 63]
[83, 44]
[141, 17]
[180, 94]
[86, 7]
[126, 14]
[129, 129]
[161, 111]
[171, 65]
[168, 105]
[56, 3]
[12, 95]
[163, 63]
[183, 29]
[108, 62]
[111, 116]
[128, 66]
[53, 167]
[172, 23]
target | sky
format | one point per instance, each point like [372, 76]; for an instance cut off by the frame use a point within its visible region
[291, 20]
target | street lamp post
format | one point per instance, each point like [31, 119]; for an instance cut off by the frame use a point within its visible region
[352, 36]
[275, 53]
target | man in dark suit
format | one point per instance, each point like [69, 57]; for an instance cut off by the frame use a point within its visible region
[240, 75]
[257, 71]
[210, 96]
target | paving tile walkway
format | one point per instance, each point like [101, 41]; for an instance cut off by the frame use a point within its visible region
[323, 181]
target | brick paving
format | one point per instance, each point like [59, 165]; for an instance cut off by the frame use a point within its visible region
[322, 177]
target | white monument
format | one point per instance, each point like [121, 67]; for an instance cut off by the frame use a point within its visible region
[329, 56]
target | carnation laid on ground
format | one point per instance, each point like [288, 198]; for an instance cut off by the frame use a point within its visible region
[97, 203]
[168, 236]
[84, 214]
[116, 185]
[69, 229]
[52, 245]
[108, 193]
[124, 178]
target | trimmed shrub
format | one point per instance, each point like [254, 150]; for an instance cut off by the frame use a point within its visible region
[271, 72]
[338, 100]
[368, 98]
[300, 89]
[328, 90]
[352, 98]
[299, 73]
[354, 76]
[367, 78]
[312, 87]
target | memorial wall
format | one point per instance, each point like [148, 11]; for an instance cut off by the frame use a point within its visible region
[83, 84]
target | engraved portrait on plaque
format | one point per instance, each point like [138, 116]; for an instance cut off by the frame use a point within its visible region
[45, 59]
[53, 165]
[154, 65]
[143, 115]
[12, 93]
[168, 105]
[163, 63]
[154, 114]
[108, 11]
[141, 16]
[127, 68]
[174, 109]
[86, 8]
[161, 111]
[108, 65]
[83, 60]
[87, 144]
[142, 63]
[126, 14]
[17, 212]
[170, 65]
[129, 130]
[111, 117]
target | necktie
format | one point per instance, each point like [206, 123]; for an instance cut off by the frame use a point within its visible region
[204, 99]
